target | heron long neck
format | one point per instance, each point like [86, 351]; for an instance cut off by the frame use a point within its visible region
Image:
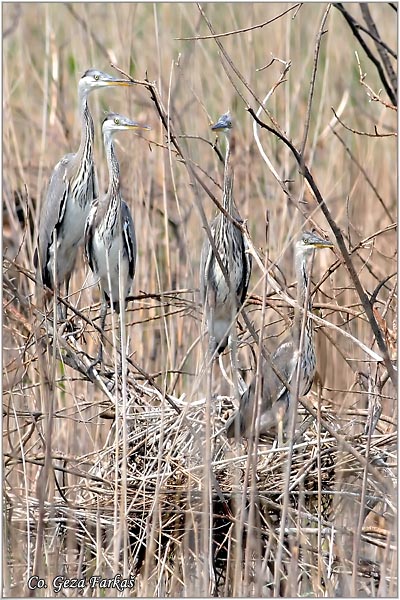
[113, 193]
[228, 179]
[302, 283]
[87, 129]
[109, 204]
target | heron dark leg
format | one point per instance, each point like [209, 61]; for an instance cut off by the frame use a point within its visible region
[61, 314]
[103, 315]
[63, 306]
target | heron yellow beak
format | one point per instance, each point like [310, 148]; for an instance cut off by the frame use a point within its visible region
[119, 82]
[137, 126]
[325, 244]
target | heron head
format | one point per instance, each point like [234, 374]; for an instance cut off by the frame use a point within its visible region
[310, 240]
[115, 122]
[224, 123]
[93, 79]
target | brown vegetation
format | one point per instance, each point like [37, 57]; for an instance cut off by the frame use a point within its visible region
[139, 478]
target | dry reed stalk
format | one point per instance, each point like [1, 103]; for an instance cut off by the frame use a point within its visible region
[142, 478]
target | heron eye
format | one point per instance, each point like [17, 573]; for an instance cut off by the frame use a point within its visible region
[116, 121]
[97, 77]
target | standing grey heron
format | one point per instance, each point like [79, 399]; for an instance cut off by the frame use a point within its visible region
[110, 241]
[223, 290]
[278, 376]
[70, 194]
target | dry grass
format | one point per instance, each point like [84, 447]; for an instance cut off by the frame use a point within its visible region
[155, 491]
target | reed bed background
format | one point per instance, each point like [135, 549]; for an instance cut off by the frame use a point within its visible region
[138, 478]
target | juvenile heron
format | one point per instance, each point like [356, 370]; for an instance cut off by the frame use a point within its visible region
[71, 191]
[278, 379]
[110, 241]
[223, 291]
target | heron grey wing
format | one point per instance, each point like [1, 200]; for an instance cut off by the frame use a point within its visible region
[283, 361]
[241, 419]
[270, 418]
[287, 356]
[128, 229]
[53, 209]
[283, 354]
[235, 422]
[274, 394]
[205, 258]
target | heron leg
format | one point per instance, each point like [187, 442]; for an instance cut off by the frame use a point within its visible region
[280, 431]
[281, 409]
[119, 345]
[213, 349]
[238, 381]
[61, 313]
[212, 344]
[63, 306]
[103, 315]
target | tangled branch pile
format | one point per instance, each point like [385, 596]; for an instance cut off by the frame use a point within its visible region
[130, 473]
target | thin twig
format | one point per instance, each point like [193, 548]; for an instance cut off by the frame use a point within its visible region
[374, 97]
[313, 77]
[342, 247]
[381, 48]
[367, 178]
[234, 67]
[351, 22]
[366, 133]
[236, 31]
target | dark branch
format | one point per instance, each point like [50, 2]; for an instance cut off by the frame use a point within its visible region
[382, 51]
[354, 28]
[341, 244]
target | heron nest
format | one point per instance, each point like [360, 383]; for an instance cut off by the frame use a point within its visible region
[167, 500]
[152, 485]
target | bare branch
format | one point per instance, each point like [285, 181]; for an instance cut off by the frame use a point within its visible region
[375, 97]
[367, 178]
[381, 48]
[236, 31]
[352, 24]
[342, 247]
[313, 76]
[373, 135]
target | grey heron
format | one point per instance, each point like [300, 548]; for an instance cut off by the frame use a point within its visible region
[223, 291]
[70, 194]
[276, 395]
[110, 241]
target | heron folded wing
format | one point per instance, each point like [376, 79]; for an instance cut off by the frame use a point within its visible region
[88, 236]
[129, 237]
[247, 265]
[205, 260]
[53, 212]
